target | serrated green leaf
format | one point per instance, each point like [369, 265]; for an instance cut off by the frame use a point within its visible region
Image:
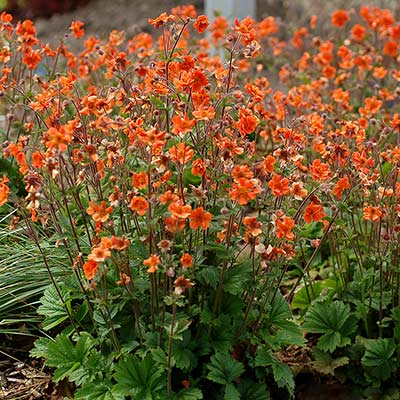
[189, 394]
[53, 308]
[325, 364]
[250, 390]
[282, 373]
[63, 355]
[231, 393]
[379, 359]
[333, 320]
[98, 391]
[224, 369]
[142, 379]
[236, 278]
[41, 348]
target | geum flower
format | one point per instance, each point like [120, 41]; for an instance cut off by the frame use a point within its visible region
[152, 262]
[99, 213]
[244, 190]
[284, 226]
[341, 185]
[253, 226]
[90, 269]
[371, 213]
[314, 212]
[279, 185]
[200, 218]
[181, 153]
[4, 190]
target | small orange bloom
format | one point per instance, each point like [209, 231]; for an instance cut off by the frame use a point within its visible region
[320, 171]
[139, 204]
[279, 185]
[181, 284]
[152, 262]
[342, 184]
[198, 167]
[247, 122]
[99, 254]
[140, 180]
[253, 226]
[99, 213]
[244, 190]
[90, 269]
[182, 125]
[200, 218]
[77, 29]
[119, 243]
[339, 18]
[371, 213]
[178, 210]
[358, 33]
[314, 212]
[284, 228]
[181, 153]
[4, 190]
[298, 191]
[161, 20]
[174, 224]
[201, 23]
[391, 48]
[186, 260]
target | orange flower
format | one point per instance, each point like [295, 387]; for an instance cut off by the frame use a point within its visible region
[77, 29]
[181, 153]
[279, 185]
[90, 269]
[244, 190]
[298, 191]
[201, 23]
[174, 224]
[320, 171]
[198, 167]
[253, 226]
[99, 213]
[161, 20]
[152, 262]
[242, 171]
[342, 184]
[4, 190]
[140, 180]
[358, 33]
[247, 122]
[284, 226]
[186, 260]
[314, 212]
[371, 213]
[200, 219]
[339, 18]
[139, 204]
[168, 197]
[178, 210]
[58, 138]
[99, 254]
[391, 48]
[119, 243]
[182, 125]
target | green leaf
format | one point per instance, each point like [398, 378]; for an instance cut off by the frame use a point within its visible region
[378, 358]
[333, 320]
[209, 276]
[63, 355]
[98, 391]
[282, 373]
[235, 278]
[41, 348]
[250, 390]
[142, 379]
[178, 328]
[189, 394]
[231, 393]
[185, 358]
[224, 369]
[53, 308]
[325, 364]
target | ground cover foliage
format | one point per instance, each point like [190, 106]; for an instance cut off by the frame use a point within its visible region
[213, 212]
